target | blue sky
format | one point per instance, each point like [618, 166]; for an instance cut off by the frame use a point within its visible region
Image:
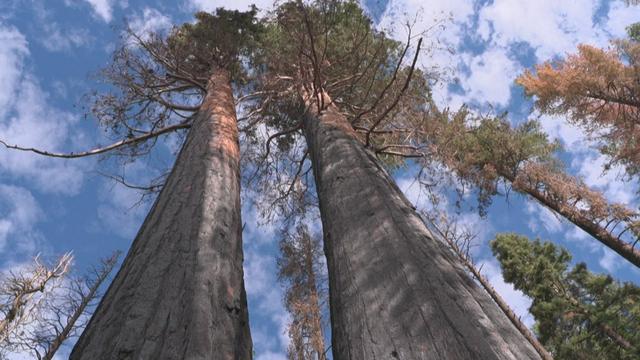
[49, 51]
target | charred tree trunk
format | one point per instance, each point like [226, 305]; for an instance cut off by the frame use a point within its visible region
[180, 291]
[395, 292]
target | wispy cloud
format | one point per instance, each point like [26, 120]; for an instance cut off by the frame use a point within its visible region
[28, 119]
[264, 294]
[103, 9]
[19, 215]
[149, 21]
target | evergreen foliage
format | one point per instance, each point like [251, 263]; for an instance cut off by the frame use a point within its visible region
[579, 314]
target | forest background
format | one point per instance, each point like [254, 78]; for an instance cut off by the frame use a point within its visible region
[50, 50]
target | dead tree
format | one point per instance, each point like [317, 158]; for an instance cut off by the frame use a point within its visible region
[22, 291]
[459, 241]
[64, 312]
[487, 152]
[301, 274]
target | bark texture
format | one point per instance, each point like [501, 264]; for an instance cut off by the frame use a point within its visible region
[395, 292]
[180, 291]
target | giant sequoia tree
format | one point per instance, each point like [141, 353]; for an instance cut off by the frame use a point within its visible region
[395, 291]
[180, 291]
[579, 315]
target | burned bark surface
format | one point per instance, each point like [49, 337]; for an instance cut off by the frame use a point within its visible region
[180, 291]
[395, 292]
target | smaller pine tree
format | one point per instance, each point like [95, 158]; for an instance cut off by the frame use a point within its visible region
[579, 314]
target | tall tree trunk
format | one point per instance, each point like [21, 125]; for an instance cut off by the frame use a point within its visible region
[395, 291]
[180, 292]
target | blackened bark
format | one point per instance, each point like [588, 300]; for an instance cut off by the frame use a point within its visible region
[395, 292]
[180, 292]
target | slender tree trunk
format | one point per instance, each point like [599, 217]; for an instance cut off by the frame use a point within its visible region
[180, 292]
[316, 336]
[623, 248]
[395, 291]
[515, 320]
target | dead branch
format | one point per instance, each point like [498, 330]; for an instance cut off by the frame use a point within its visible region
[97, 151]
[397, 99]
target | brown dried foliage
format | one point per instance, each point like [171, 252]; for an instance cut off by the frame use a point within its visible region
[599, 90]
[300, 271]
[487, 153]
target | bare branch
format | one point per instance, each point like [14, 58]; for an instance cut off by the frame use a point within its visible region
[397, 99]
[97, 151]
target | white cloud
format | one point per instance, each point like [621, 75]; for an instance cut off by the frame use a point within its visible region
[19, 212]
[56, 39]
[13, 50]
[265, 296]
[27, 119]
[441, 43]
[490, 78]
[269, 355]
[610, 261]
[35, 124]
[412, 189]
[542, 216]
[243, 5]
[258, 270]
[550, 27]
[122, 209]
[150, 21]
[517, 301]
[576, 233]
[619, 17]
[118, 212]
[557, 127]
[590, 168]
[102, 8]
[264, 293]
